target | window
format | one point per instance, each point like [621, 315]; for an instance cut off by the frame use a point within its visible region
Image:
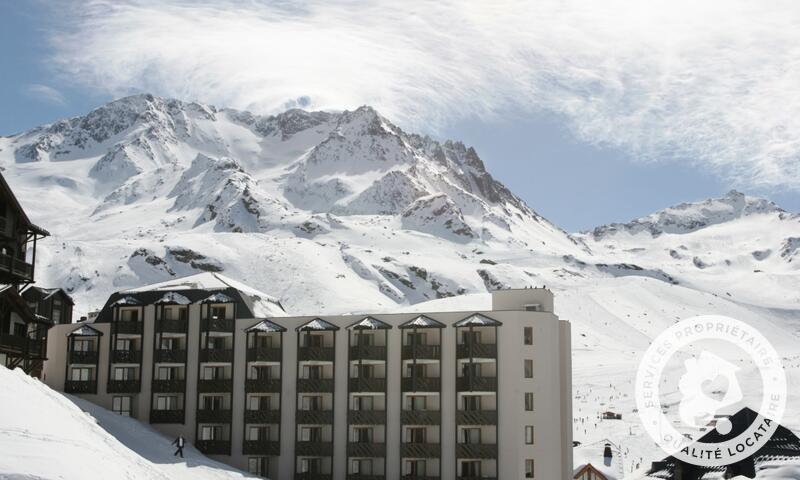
[81, 374]
[216, 343]
[362, 434]
[528, 401]
[471, 370]
[527, 333]
[470, 337]
[364, 371]
[529, 435]
[213, 402]
[168, 343]
[262, 341]
[471, 468]
[416, 370]
[415, 468]
[258, 433]
[211, 432]
[313, 340]
[56, 314]
[258, 466]
[167, 373]
[261, 372]
[20, 330]
[121, 405]
[529, 468]
[123, 344]
[167, 402]
[130, 315]
[471, 402]
[124, 373]
[310, 465]
[416, 435]
[218, 312]
[364, 339]
[312, 402]
[471, 435]
[312, 372]
[419, 338]
[260, 403]
[213, 373]
[81, 345]
[533, 307]
[361, 466]
[417, 402]
[311, 434]
[361, 402]
[528, 368]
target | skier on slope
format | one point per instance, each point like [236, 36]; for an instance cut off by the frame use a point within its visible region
[179, 442]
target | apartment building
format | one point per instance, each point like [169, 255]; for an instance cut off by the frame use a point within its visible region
[451, 395]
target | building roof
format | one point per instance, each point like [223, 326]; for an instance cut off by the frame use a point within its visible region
[591, 457]
[265, 326]
[317, 324]
[173, 298]
[49, 292]
[85, 331]
[217, 298]
[477, 320]
[369, 323]
[127, 300]
[20, 211]
[422, 321]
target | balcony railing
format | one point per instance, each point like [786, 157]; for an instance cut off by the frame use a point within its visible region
[476, 450]
[367, 385]
[261, 447]
[264, 354]
[314, 417]
[170, 356]
[171, 326]
[217, 325]
[476, 384]
[218, 385]
[128, 327]
[421, 384]
[420, 450]
[314, 449]
[313, 476]
[214, 447]
[423, 352]
[262, 416]
[367, 352]
[421, 417]
[482, 477]
[476, 417]
[216, 355]
[366, 449]
[168, 386]
[213, 416]
[305, 385]
[166, 416]
[364, 476]
[476, 350]
[316, 354]
[419, 477]
[126, 356]
[366, 417]
[85, 358]
[271, 385]
[16, 267]
[80, 386]
[123, 386]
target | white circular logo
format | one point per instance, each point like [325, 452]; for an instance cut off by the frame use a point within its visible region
[698, 409]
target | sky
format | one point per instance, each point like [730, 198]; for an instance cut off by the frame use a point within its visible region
[592, 113]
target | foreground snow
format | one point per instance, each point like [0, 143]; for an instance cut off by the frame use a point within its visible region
[47, 435]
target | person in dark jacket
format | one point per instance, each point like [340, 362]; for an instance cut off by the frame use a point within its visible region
[179, 443]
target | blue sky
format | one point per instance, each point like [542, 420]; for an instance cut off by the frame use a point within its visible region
[583, 139]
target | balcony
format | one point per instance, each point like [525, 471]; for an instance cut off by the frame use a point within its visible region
[421, 384]
[476, 417]
[170, 356]
[126, 327]
[314, 449]
[364, 476]
[314, 417]
[375, 385]
[310, 385]
[168, 386]
[483, 477]
[166, 416]
[126, 356]
[313, 476]
[422, 352]
[213, 416]
[217, 325]
[420, 450]
[83, 358]
[261, 447]
[476, 384]
[216, 355]
[368, 352]
[366, 417]
[123, 386]
[476, 350]
[217, 385]
[80, 386]
[419, 477]
[316, 354]
[214, 447]
[366, 449]
[262, 416]
[171, 326]
[421, 417]
[16, 267]
[271, 385]
[476, 450]
[264, 354]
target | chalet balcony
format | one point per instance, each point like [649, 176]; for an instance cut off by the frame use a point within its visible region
[261, 447]
[314, 417]
[123, 386]
[316, 354]
[375, 385]
[262, 416]
[314, 449]
[168, 386]
[364, 476]
[80, 386]
[366, 417]
[171, 326]
[476, 417]
[214, 447]
[213, 416]
[170, 356]
[83, 358]
[264, 354]
[313, 476]
[216, 355]
[421, 417]
[420, 450]
[133, 328]
[421, 384]
[310, 385]
[476, 450]
[15, 268]
[368, 352]
[366, 449]
[218, 385]
[476, 384]
[422, 352]
[166, 416]
[476, 350]
[217, 325]
[126, 356]
[271, 385]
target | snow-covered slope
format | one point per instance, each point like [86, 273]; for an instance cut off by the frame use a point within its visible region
[47, 435]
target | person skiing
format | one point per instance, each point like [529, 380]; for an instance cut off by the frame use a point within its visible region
[179, 443]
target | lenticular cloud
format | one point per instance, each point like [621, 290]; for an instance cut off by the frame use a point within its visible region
[717, 83]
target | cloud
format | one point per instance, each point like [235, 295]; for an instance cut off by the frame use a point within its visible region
[715, 82]
[45, 94]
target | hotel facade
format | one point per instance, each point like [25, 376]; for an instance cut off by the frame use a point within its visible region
[436, 395]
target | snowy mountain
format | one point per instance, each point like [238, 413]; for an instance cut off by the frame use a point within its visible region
[345, 212]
